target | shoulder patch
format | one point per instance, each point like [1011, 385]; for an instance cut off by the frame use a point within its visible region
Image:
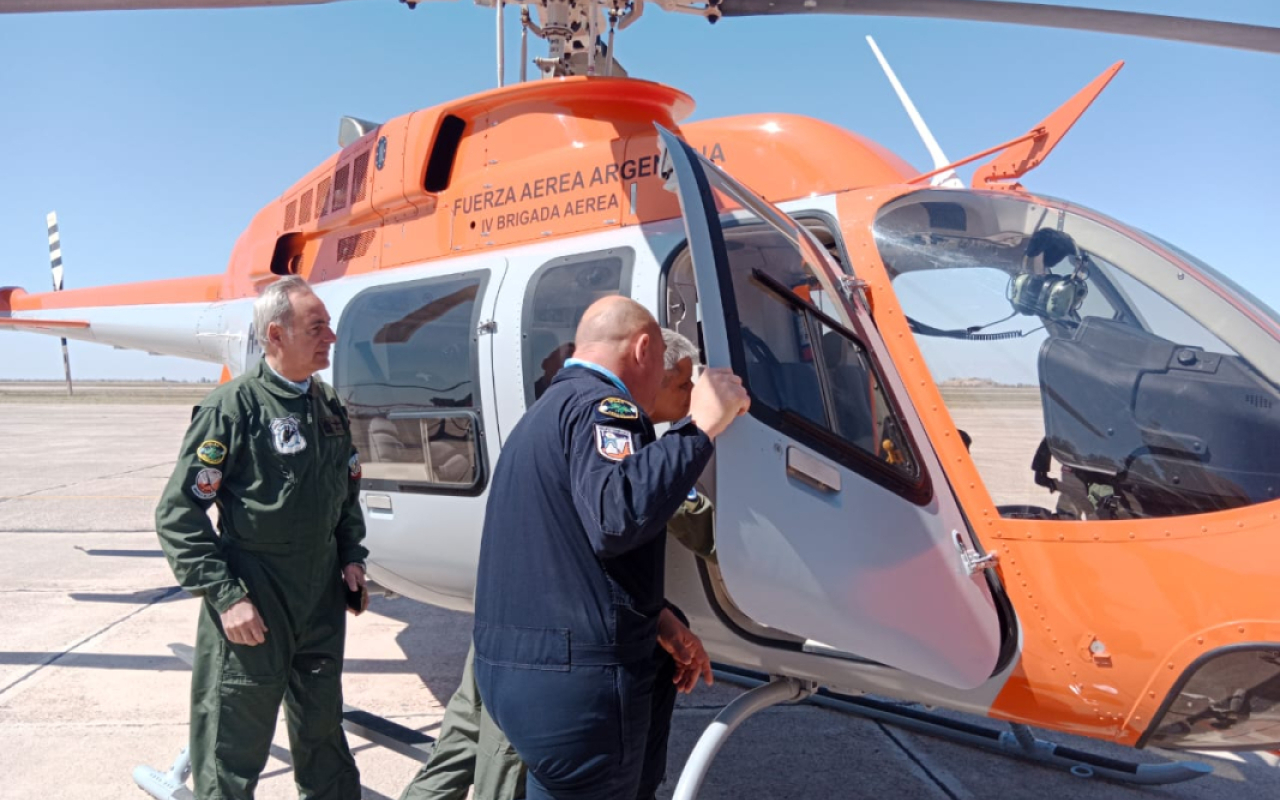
[613, 443]
[211, 452]
[618, 408]
[208, 481]
[353, 467]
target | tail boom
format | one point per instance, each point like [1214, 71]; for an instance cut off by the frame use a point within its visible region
[204, 288]
[184, 317]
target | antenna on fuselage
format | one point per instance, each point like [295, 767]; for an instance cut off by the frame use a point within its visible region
[949, 178]
[502, 45]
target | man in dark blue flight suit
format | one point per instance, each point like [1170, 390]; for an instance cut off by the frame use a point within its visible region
[570, 583]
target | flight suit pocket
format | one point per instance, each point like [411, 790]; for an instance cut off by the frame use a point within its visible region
[276, 513]
[288, 477]
[631, 625]
[260, 664]
[525, 648]
[250, 690]
[620, 698]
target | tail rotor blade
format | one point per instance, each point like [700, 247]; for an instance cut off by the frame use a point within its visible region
[55, 266]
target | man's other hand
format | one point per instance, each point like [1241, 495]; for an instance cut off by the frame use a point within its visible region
[686, 650]
[242, 625]
[353, 576]
[357, 597]
[718, 399]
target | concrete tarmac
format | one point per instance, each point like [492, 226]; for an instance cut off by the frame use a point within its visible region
[89, 688]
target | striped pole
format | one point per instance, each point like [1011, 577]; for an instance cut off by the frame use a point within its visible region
[55, 265]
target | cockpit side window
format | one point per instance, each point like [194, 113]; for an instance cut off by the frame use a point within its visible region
[1095, 377]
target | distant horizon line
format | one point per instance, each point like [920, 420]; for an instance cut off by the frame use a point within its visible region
[63, 381]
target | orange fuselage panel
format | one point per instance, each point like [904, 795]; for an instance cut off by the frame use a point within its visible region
[514, 165]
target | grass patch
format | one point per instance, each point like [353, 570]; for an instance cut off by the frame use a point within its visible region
[103, 393]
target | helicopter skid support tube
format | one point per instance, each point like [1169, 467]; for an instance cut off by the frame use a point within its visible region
[767, 694]
[169, 785]
[1018, 742]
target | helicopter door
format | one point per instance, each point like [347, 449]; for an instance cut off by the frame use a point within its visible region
[834, 520]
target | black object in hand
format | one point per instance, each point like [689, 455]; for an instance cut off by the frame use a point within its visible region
[358, 600]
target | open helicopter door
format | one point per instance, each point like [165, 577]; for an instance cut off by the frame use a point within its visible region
[834, 519]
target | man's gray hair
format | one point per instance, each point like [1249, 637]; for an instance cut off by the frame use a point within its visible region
[678, 348]
[275, 305]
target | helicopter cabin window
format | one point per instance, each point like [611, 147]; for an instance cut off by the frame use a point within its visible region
[558, 293]
[808, 376]
[407, 371]
[1095, 377]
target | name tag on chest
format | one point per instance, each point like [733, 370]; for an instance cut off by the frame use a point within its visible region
[331, 426]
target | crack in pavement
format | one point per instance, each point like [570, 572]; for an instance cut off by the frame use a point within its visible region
[87, 480]
[937, 781]
[58, 656]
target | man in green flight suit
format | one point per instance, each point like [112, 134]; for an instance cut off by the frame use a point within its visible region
[473, 750]
[272, 450]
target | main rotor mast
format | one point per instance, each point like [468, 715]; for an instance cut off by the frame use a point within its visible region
[579, 33]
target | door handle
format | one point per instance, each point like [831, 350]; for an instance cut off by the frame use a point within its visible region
[812, 471]
[378, 503]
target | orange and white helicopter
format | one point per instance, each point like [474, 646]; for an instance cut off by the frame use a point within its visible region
[1089, 551]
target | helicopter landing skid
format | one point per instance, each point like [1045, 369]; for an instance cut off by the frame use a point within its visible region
[1018, 741]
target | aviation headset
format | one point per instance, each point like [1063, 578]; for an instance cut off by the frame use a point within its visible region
[1056, 297]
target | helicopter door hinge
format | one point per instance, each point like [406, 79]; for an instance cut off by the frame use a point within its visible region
[855, 288]
[972, 561]
[852, 284]
[488, 326]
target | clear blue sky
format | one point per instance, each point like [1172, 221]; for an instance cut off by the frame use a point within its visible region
[157, 135]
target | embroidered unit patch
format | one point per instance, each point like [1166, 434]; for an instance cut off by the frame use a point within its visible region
[353, 466]
[618, 408]
[207, 483]
[211, 452]
[613, 443]
[286, 436]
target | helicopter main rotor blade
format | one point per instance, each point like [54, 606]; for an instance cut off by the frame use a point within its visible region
[45, 6]
[1155, 26]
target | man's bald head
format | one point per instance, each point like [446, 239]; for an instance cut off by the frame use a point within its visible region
[622, 336]
[612, 321]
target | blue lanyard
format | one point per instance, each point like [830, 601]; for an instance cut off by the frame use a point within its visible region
[577, 362]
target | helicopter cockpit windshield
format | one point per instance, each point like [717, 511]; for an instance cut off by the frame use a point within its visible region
[1097, 373]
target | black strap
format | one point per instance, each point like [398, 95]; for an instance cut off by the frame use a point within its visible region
[1040, 464]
